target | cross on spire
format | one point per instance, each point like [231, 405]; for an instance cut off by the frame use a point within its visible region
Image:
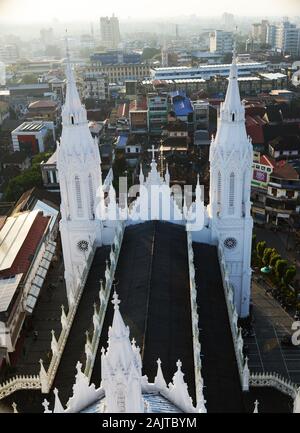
[153, 150]
[67, 47]
[179, 364]
[115, 301]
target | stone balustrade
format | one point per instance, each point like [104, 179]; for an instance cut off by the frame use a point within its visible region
[45, 379]
[18, 383]
[92, 342]
[236, 332]
[274, 380]
[195, 326]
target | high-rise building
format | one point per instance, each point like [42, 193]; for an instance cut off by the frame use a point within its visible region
[288, 38]
[110, 32]
[47, 36]
[285, 37]
[228, 21]
[271, 35]
[259, 31]
[221, 42]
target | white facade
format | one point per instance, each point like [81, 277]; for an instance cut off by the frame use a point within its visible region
[221, 42]
[227, 218]
[78, 165]
[231, 156]
[110, 33]
[95, 86]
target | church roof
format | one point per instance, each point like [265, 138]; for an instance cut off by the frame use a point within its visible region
[156, 403]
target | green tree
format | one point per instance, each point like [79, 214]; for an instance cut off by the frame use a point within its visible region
[30, 178]
[273, 260]
[289, 275]
[149, 53]
[280, 269]
[260, 248]
[29, 79]
[267, 255]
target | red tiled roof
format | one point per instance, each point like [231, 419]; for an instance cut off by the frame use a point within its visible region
[281, 169]
[285, 171]
[24, 257]
[267, 160]
[140, 104]
[123, 110]
[254, 127]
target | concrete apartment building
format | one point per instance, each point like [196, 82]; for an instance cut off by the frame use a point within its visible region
[110, 32]
[221, 42]
[95, 86]
[30, 136]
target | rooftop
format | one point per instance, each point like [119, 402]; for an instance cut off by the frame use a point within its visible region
[290, 142]
[30, 127]
[273, 76]
[13, 235]
[43, 104]
[209, 67]
[15, 157]
[8, 287]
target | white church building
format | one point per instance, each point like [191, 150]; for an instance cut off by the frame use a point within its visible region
[227, 220]
[90, 221]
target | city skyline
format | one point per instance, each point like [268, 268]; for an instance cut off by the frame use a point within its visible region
[22, 11]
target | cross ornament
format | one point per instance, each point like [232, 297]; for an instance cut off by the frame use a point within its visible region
[153, 150]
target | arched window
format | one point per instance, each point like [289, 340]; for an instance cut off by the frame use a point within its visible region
[91, 196]
[233, 117]
[72, 119]
[231, 193]
[78, 197]
[121, 401]
[245, 192]
[219, 188]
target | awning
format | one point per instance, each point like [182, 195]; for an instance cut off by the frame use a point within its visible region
[40, 276]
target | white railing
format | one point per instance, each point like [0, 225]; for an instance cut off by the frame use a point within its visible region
[274, 380]
[233, 320]
[58, 346]
[91, 346]
[45, 379]
[19, 382]
[195, 325]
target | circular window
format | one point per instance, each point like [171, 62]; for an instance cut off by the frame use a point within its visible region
[230, 243]
[83, 245]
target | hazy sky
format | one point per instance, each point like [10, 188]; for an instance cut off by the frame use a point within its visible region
[67, 10]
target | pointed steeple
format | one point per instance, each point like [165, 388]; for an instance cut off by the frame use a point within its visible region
[232, 109]
[118, 329]
[73, 112]
[121, 368]
[58, 407]
[167, 175]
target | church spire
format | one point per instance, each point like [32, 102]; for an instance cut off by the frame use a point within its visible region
[232, 109]
[73, 112]
[121, 367]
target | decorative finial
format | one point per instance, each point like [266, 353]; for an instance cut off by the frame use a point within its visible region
[158, 362]
[67, 47]
[46, 406]
[256, 403]
[78, 367]
[116, 301]
[179, 365]
[14, 406]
